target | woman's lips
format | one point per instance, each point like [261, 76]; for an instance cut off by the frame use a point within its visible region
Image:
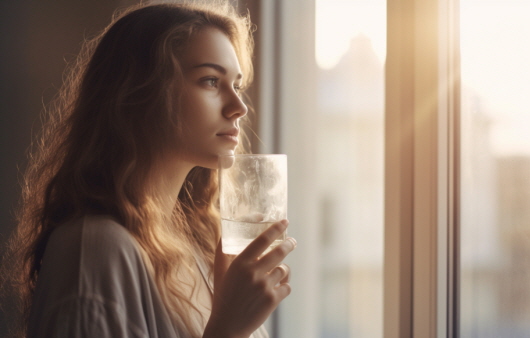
[230, 135]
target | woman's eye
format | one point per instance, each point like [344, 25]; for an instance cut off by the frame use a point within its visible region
[212, 82]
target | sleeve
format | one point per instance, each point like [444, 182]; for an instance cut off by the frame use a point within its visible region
[87, 317]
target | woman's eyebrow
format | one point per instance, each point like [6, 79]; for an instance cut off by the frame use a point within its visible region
[218, 68]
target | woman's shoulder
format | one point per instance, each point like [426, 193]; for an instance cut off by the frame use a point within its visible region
[92, 255]
[106, 230]
[94, 246]
[93, 231]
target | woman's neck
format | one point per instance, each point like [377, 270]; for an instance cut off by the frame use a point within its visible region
[168, 183]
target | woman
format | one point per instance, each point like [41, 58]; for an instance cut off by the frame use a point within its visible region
[118, 232]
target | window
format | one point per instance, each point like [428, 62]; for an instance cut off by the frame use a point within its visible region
[350, 54]
[409, 174]
[495, 169]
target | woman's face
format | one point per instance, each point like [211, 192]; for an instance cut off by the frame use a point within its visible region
[210, 103]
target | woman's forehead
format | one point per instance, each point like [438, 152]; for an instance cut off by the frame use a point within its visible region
[210, 46]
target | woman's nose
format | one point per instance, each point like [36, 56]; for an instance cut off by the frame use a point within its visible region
[235, 107]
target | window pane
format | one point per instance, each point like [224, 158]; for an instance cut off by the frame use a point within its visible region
[495, 169]
[350, 54]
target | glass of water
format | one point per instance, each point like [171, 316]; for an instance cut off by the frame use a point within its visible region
[253, 196]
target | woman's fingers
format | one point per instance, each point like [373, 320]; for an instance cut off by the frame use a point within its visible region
[263, 241]
[280, 274]
[283, 290]
[276, 255]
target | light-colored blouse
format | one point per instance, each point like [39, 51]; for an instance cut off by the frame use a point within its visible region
[93, 282]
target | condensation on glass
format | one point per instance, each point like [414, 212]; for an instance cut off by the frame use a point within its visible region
[495, 169]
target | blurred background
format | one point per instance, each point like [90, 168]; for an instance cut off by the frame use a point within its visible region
[319, 94]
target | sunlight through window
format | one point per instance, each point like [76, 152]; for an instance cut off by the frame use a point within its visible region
[495, 146]
[350, 52]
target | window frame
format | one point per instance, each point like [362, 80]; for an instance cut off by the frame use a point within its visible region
[421, 169]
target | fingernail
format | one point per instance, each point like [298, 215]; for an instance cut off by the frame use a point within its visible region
[285, 223]
[292, 240]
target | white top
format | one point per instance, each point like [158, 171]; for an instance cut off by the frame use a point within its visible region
[93, 283]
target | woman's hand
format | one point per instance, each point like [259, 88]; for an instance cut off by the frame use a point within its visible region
[248, 288]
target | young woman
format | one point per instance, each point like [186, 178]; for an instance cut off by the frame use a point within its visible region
[118, 232]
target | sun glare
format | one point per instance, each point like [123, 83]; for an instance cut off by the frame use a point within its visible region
[495, 49]
[339, 21]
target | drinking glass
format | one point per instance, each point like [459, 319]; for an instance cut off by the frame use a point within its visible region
[253, 196]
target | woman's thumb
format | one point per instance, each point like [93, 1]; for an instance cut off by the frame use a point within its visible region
[221, 264]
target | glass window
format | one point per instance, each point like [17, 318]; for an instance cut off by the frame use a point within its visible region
[350, 55]
[495, 169]
[342, 135]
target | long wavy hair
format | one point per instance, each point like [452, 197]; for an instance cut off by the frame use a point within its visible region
[106, 134]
